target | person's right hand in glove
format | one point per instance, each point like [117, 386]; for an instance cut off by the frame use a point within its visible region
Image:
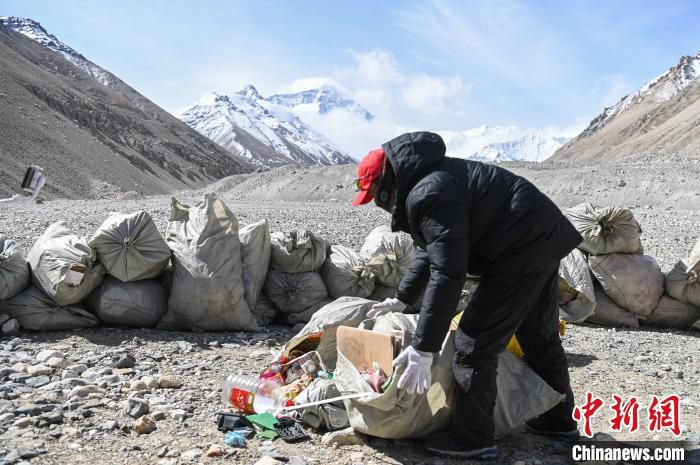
[392, 304]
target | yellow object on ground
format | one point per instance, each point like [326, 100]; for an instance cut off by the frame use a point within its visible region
[513, 345]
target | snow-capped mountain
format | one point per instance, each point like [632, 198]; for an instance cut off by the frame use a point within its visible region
[264, 132]
[36, 32]
[323, 99]
[663, 116]
[501, 143]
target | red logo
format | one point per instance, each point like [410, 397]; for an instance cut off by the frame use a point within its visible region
[586, 412]
[665, 414]
[626, 414]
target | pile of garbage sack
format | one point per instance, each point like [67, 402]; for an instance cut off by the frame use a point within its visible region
[609, 281]
[205, 274]
[337, 373]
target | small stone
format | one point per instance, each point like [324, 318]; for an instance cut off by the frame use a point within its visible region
[23, 422]
[178, 414]
[150, 382]
[69, 374]
[109, 425]
[83, 391]
[78, 369]
[123, 361]
[679, 375]
[162, 451]
[215, 451]
[144, 425]
[37, 381]
[167, 462]
[10, 327]
[357, 456]
[665, 367]
[158, 416]
[39, 370]
[44, 355]
[184, 346]
[6, 418]
[3, 318]
[343, 437]
[136, 407]
[169, 382]
[56, 362]
[53, 417]
[138, 386]
[191, 455]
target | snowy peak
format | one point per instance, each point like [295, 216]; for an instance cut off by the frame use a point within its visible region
[265, 133]
[250, 92]
[661, 89]
[323, 100]
[35, 31]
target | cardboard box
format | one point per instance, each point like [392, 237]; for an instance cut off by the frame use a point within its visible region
[362, 347]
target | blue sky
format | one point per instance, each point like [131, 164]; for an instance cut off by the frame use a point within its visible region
[421, 64]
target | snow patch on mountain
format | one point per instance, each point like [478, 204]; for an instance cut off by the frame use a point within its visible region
[35, 31]
[502, 143]
[660, 89]
[222, 117]
[323, 100]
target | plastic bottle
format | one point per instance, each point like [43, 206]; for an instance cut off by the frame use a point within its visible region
[251, 395]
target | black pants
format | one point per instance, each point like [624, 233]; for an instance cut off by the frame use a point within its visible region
[526, 305]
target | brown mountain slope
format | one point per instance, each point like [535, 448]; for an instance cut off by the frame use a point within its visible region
[663, 117]
[93, 140]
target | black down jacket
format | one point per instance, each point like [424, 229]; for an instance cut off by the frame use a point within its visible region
[466, 217]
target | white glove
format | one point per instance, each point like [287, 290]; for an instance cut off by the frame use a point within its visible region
[391, 304]
[417, 377]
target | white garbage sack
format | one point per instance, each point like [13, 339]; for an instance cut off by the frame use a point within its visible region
[130, 247]
[35, 311]
[634, 282]
[672, 313]
[207, 290]
[606, 230]
[14, 271]
[683, 281]
[345, 273]
[305, 315]
[319, 334]
[576, 294]
[331, 416]
[294, 292]
[64, 266]
[388, 255]
[395, 414]
[138, 304]
[255, 247]
[608, 313]
[265, 310]
[297, 251]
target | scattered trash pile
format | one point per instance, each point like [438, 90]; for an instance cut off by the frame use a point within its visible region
[608, 280]
[337, 373]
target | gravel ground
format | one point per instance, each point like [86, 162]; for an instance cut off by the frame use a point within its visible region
[70, 407]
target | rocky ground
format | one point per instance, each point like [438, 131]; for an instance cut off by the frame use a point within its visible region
[75, 397]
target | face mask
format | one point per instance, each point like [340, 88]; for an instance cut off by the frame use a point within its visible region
[386, 189]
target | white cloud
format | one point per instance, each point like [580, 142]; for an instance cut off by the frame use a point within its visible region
[310, 83]
[377, 68]
[431, 94]
[351, 133]
[378, 82]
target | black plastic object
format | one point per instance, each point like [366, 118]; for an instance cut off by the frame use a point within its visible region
[231, 421]
[290, 431]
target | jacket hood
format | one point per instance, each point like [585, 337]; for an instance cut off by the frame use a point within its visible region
[411, 155]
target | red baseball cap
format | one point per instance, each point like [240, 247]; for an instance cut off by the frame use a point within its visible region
[369, 169]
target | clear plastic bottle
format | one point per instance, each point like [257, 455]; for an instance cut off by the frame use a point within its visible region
[252, 395]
